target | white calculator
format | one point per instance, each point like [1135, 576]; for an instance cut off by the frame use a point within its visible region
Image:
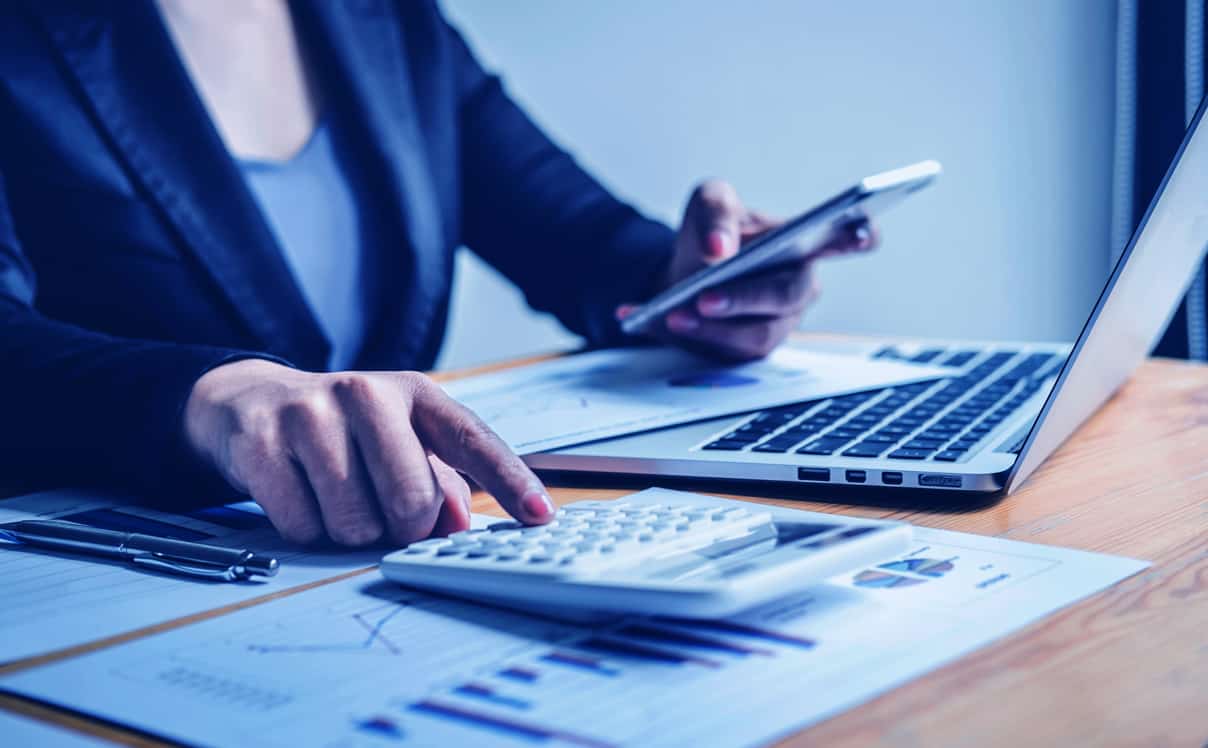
[656, 552]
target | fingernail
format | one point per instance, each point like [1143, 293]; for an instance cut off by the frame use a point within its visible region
[681, 321]
[537, 505]
[714, 302]
[863, 235]
[719, 243]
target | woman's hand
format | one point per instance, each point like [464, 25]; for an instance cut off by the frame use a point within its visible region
[353, 456]
[747, 317]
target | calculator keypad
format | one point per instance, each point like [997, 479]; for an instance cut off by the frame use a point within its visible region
[589, 536]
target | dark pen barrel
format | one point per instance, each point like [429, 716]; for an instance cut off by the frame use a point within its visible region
[184, 549]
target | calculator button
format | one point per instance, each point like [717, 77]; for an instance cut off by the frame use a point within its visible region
[449, 550]
[478, 553]
[430, 543]
[466, 536]
[509, 525]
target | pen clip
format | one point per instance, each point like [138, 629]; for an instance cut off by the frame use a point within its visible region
[163, 562]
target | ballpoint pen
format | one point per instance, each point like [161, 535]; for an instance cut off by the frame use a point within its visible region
[163, 554]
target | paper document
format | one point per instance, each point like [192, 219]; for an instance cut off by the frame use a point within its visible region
[54, 600]
[609, 393]
[362, 662]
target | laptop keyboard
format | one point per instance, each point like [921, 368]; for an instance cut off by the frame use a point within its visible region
[941, 420]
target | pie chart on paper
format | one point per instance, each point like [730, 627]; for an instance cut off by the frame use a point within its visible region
[714, 380]
[905, 573]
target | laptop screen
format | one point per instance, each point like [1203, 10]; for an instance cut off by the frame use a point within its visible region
[1137, 302]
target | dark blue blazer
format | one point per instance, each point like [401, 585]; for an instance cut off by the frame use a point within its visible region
[133, 257]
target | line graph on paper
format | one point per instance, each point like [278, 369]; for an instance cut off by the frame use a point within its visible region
[542, 404]
[417, 628]
[366, 636]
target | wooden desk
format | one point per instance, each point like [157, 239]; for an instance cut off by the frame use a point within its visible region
[1126, 667]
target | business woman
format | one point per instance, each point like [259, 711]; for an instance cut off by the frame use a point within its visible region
[226, 238]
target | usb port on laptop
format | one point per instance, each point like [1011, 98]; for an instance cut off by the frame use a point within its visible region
[819, 474]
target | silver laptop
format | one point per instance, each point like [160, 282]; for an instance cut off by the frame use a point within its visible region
[981, 430]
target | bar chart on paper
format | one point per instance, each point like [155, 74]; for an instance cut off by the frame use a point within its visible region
[412, 668]
[362, 662]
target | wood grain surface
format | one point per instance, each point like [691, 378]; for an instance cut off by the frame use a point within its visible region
[1126, 667]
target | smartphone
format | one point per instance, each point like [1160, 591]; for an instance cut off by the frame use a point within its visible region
[796, 240]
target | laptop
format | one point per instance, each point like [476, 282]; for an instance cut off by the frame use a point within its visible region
[980, 431]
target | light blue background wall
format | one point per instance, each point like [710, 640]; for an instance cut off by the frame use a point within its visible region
[790, 100]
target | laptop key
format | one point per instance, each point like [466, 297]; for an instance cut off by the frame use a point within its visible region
[936, 431]
[741, 438]
[822, 447]
[727, 446]
[844, 433]
[865, 449]
[928, 444]
[960, 358]
[880, 438]
[864, 418]
[773, 447]
[928, 356]
[834, 412]
[950, 455]
[911, 454]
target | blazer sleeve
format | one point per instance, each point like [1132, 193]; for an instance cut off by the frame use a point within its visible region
[539, 218]
[84, 408]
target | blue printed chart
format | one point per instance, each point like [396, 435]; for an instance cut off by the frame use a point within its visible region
[528, 678]
[361, 662]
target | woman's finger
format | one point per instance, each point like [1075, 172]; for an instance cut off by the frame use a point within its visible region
[409, 497]
[455, 510]
[317, 434]
[740, 339]
[786, 291]
[463, 441]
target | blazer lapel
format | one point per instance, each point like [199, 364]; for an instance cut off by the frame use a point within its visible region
[370, 78]
[143, 98]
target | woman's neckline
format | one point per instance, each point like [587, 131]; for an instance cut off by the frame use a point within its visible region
[273, 163]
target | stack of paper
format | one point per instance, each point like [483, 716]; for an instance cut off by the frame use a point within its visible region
[365, 663]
